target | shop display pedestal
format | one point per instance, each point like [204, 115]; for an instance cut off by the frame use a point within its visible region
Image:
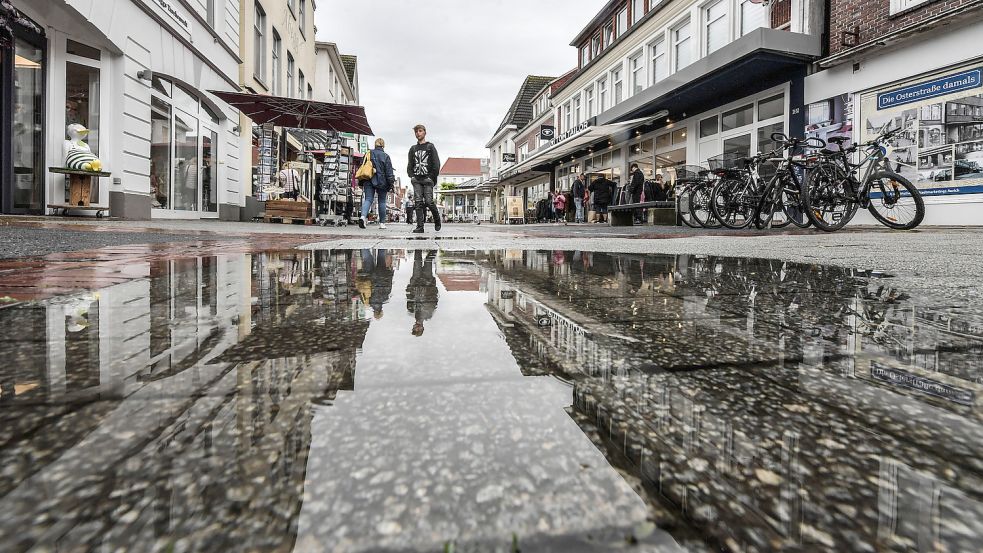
[79, 190]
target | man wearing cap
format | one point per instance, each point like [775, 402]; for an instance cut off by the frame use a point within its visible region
[423, 169]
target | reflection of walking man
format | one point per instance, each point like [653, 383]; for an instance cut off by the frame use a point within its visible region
[423, 169]
[380, 271]
[421, 292]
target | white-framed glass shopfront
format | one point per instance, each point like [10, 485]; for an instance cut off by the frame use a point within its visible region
[183, 152]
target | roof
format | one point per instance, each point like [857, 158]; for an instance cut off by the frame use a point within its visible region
[463, 166]
[520, 112]
[604, 14]
[350, 63]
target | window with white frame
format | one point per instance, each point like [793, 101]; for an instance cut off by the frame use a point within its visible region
[617, 85]
[717, 30]
[584, 55]
[576, 109]
[659, 60]
[682, 47]
[290, 74]
[567, 117]
[523, 151]
[636, 64]
[595, 46]
[608, 35]
[589, 101]
[275, 78]
[637, 10]
[902, 5]
[602, 94]
[622, 21]
[259, 43]
[753, 15]
[301, 84]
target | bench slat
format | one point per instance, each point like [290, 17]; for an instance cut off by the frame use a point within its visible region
[642, 205]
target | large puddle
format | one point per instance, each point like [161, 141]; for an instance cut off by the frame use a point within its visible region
[391, 400]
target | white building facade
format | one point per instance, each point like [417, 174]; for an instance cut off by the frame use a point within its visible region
[136, 73]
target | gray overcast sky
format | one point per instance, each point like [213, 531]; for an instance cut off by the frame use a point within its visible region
[453, 65]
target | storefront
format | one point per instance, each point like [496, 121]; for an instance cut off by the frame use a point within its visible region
[932, 88]
[135, 73]
[22, 107]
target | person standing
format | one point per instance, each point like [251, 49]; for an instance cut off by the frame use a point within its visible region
[423, 169]
[289, 180]
[408, 206]
[560, 207]
[603, 190]
[578, 189]
[378, 186]
[636, 183]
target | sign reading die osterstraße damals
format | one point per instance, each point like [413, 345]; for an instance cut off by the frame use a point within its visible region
[929, 89]
[547, 132]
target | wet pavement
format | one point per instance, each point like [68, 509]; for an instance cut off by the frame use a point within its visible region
[242, 398]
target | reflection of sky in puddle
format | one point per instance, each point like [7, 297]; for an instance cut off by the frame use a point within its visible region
[298, 389]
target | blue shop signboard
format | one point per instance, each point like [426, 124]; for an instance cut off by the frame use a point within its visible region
[965, 80]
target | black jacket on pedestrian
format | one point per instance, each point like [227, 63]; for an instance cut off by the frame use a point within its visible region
[636, 184]
[578, 188]
[423, 162]
[603, 190]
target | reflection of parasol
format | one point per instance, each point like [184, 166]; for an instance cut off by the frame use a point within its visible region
[298, 113]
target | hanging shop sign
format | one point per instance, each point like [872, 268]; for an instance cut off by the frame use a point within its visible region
[547, 132]
[942, 86]
[574, 130]
[508, 158]
[905, 379]
[170, 8]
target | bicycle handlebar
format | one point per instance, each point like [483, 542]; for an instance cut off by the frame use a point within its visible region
[792, 142]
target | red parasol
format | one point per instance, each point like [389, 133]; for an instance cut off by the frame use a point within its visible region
[298, 113]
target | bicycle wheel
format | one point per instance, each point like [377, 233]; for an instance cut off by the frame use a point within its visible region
[894, 201]
[684, 208]
[728, 204]
[699, 201]
[764, 213]
[792, 206]
[825, 200]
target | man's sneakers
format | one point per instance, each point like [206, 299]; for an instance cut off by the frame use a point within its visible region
[382, 226]
[418, 230]
[361, 223]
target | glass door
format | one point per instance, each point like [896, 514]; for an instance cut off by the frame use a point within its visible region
[209, 177]
[22, 97]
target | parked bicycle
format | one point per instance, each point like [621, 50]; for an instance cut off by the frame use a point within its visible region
[834, 192]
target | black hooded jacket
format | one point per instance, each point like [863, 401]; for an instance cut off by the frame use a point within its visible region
[423, 162]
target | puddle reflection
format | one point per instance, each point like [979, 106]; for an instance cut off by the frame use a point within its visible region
[287, 400]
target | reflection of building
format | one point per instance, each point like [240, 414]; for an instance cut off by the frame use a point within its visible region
[136, 73]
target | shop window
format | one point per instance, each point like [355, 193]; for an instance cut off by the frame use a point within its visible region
[641, 153]
[739, 145]
[819, 113]
[771, 107]
[160, 153]
[679, 136]
[737, 117]
[186, 164]
[209, 184]
[82, 107]
[717, 29]
[83, 50]
[660, 61]
[185, 99]
[26, 135]
[765, 142]
[709, 127]
[682, 46]
[662, 141]
[753, 15]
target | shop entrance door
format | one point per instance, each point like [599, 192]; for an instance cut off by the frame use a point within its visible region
[22, 174]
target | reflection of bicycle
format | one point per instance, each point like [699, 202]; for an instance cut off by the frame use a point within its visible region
[833, 192]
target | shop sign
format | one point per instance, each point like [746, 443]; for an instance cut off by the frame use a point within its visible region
[905, 379]
[169, 7]
[547, 132]
[556, 140]
[508, 158]
[965, 80]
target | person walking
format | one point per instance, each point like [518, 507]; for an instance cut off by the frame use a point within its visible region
[423, 169]
[578, 189]
[560, 207]
[408, 206]
[421, 292]
[378, 186]
[636, 183]
[603, 190]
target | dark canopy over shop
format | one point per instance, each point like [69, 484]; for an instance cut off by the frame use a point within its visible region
[298, 113]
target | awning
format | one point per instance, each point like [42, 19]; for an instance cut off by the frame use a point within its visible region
[298, 113]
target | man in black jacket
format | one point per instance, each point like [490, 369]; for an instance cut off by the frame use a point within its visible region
[635, 186]
[423, 169]
[603, 190]
[577, 189]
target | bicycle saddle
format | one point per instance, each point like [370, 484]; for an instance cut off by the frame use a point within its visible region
[837, 139]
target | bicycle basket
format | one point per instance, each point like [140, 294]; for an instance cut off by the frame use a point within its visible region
[726, 161]
[690, 173]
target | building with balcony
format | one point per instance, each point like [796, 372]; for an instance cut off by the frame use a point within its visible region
[669, 83]
[916, 64]
[136, 74]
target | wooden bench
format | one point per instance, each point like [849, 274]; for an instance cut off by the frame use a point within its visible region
[660, 213]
